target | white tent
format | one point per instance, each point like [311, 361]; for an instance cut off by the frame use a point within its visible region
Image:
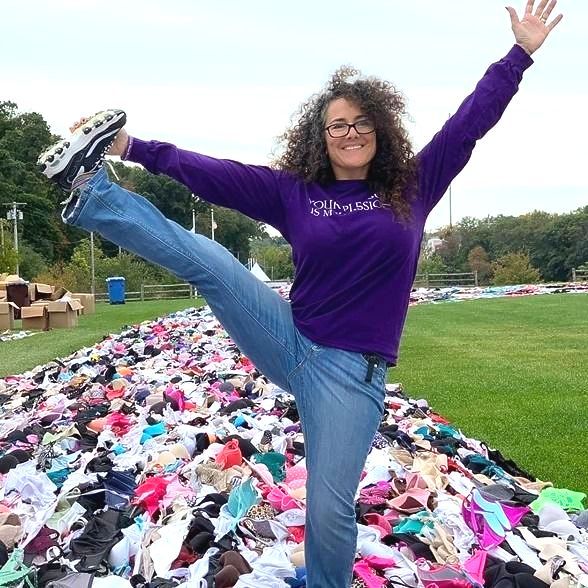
[259, 273]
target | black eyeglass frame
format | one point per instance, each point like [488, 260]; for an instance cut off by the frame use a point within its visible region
[349, 127]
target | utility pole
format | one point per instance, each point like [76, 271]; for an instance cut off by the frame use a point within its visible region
[92, 266]
[450, 214]
[194, 200]
[212, 223]
[450, 204]
[15, 214]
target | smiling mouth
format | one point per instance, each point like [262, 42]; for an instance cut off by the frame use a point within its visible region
[352, 147]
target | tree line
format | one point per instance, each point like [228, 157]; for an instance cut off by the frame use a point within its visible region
[50, 250]
[536, 246]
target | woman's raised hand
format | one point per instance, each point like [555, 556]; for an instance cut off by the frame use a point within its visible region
[531, 31]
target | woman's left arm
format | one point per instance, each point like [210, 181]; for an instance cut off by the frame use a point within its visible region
[451, 148]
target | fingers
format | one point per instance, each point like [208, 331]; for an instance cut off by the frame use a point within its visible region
[540, 8]
[514, 19]
[544, 16]
[529, 7]
[554, 22]
[548, 10]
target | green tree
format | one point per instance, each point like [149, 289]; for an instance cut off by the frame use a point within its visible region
[432, 264]
[274, 255]
[473, 233]
[233, 229]
[23, 136]
[451, 252]
[565, 245]
[514, 268]
[31, 262]
[134, 270]
[555, 242]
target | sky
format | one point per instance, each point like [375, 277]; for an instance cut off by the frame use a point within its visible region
[224, 78]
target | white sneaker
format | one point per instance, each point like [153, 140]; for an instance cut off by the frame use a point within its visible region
[84, 151]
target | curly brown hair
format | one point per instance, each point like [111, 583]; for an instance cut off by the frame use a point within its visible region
[393, 166]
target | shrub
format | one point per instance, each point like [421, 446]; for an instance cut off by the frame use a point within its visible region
[432, 264]
[514, 268]
[8, 258]
[76, 274]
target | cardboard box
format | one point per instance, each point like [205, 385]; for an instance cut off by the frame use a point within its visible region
[18, 292]
[58, 292]
[88, 301]
[63, 314]
[35, 317]
[7, 312]
[40, 291]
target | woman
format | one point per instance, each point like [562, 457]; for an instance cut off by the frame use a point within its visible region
[352, 201]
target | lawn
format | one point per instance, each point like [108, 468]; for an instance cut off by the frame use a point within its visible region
[513, 372]
[22, 355]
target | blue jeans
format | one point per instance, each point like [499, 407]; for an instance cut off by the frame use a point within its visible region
[339, 411]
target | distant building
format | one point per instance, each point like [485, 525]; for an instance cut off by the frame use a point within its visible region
[433, 245]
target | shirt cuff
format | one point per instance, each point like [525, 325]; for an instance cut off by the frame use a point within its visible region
[519, 56]
[127, 152]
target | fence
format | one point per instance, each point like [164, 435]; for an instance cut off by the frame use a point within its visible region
[579, 275]
[275, 284]
[169, 291]
[427, 280]
[155, 292]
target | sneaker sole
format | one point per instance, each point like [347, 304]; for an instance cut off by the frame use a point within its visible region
[98, 129]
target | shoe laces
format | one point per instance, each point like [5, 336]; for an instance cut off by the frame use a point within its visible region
[112, 169]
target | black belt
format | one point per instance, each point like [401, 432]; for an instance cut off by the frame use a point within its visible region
[373, 360]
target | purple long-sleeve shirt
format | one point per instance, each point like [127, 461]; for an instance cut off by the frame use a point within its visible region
[355, 262]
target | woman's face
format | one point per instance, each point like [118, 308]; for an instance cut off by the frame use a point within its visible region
[350, 155]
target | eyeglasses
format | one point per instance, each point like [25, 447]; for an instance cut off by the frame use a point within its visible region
[340, 129]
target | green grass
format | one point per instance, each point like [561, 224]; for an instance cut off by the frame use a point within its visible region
[22, 355]
[513, 372]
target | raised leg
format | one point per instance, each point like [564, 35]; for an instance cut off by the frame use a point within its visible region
[256, 317]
